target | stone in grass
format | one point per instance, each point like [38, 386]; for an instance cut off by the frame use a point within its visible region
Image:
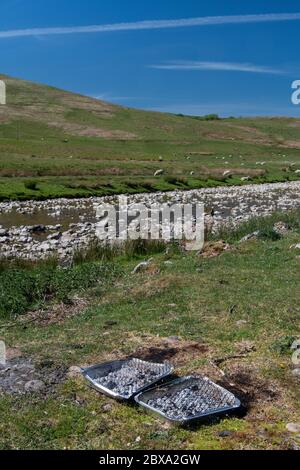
[141, 266]
[34, 386]
[293, 427]
[225, 433]
[296, 372]
[73, 372]
[250, 236]
[281, 228]
[173, 339]
[107, 407]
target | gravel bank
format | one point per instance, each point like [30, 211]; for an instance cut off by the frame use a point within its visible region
[37, 229]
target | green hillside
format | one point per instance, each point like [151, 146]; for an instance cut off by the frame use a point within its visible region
[54, 143]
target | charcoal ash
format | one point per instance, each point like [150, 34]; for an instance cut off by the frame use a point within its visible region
[20, 376]
[193, 398]
[131, 377]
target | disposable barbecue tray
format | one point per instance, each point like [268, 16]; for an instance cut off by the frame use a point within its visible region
[122, 379]
[188, 399]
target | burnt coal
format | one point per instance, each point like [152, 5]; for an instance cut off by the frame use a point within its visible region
[189, 398]
[132, 376]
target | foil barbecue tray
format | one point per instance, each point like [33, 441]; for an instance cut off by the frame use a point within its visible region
[188, 399]
[122, 379]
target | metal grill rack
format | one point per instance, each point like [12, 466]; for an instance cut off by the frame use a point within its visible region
[187, 399]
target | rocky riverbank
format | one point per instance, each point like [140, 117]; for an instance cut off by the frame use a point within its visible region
[38, 229]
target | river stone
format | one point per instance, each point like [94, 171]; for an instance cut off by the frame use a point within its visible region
[38, 228]
[54, 236]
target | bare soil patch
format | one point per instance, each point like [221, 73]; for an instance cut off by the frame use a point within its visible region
[246, 383]
[57, 313]
[172, 349]
[21, 376]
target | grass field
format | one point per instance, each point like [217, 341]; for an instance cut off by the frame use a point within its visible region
[234, 314]
[54, 143]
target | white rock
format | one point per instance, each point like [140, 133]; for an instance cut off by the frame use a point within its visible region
[293, 427]
[34, 386]
[73, 372]
[141, 266]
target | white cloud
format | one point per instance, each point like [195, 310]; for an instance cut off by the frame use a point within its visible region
[110, 97]
[153, 24]
[223, 66]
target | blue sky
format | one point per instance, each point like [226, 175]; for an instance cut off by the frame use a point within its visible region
[239, 66]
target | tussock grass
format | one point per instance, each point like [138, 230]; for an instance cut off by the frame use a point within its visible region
[128, 249]
[263, 225]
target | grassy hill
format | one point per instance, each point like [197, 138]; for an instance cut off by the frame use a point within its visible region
[54, 143]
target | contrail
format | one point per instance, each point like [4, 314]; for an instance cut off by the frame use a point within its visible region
[152, 24]
[223, 66]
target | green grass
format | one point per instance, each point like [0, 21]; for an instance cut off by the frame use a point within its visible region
[249, 293]
[33, 286]
[57, 144]
[264, 225]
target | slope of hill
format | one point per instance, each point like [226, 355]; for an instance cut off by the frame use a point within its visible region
[54, 143]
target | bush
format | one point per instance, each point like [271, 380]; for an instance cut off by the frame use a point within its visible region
[208, 117]
[211, 117]
[268, 233]
[31, 185]
[176, 180]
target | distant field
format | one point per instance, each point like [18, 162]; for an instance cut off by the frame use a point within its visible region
[54, 144]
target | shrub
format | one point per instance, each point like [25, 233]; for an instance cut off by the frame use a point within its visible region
[31, 185]
[211, 117]
[268, 233]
